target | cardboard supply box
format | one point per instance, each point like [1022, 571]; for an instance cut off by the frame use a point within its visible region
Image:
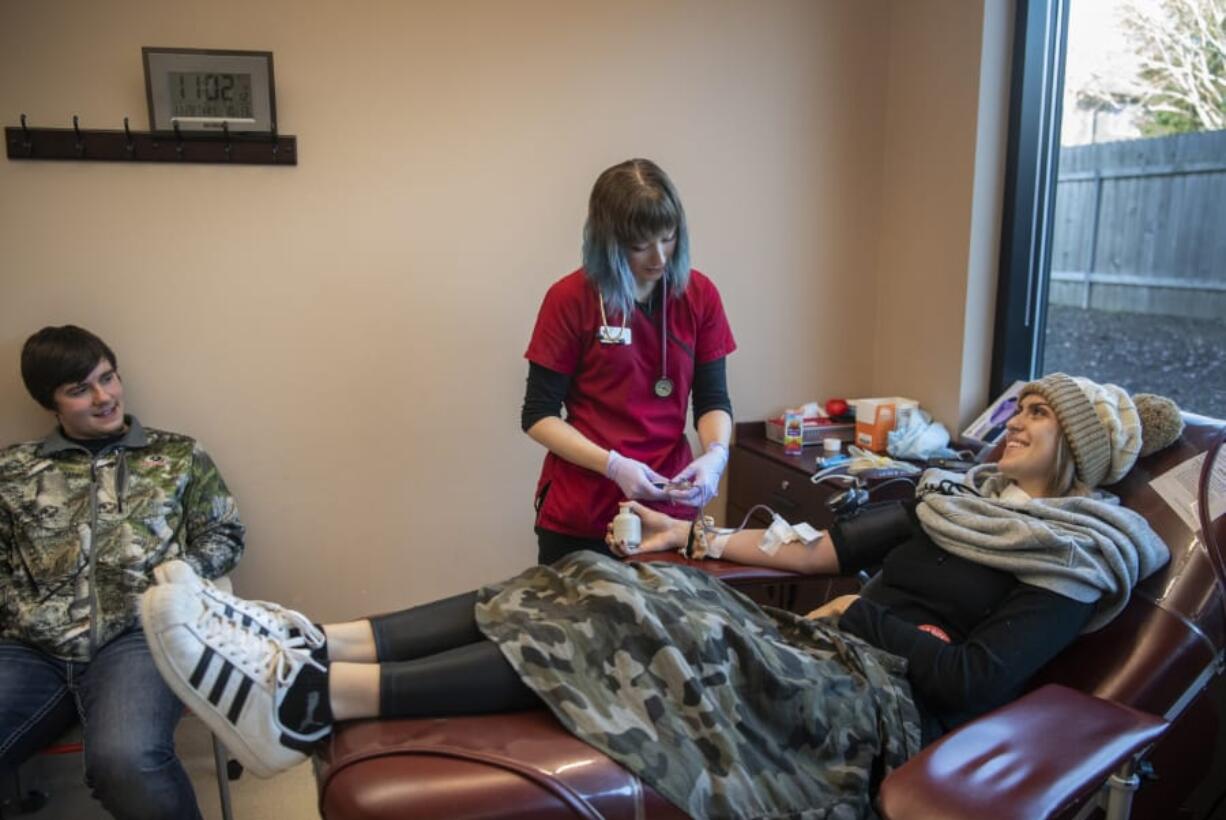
[875, 418]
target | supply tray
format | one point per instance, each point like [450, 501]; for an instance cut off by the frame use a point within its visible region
[813, 430]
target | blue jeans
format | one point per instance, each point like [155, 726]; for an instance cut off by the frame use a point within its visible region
[128, 717]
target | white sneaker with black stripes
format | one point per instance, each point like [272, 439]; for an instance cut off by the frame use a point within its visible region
[276, 620]
[233, 677]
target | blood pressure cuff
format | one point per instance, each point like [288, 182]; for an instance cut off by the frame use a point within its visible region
[864, 538]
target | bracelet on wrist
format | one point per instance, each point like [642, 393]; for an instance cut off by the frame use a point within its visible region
[701, 541]
[688, 550]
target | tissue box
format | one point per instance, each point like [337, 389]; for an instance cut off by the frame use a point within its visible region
[875, 418]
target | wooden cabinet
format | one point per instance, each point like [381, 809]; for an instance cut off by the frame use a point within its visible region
[759, 472]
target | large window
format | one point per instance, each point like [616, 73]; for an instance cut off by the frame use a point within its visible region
[1114, 245]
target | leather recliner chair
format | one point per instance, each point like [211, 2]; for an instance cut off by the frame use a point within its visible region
[1148, 689]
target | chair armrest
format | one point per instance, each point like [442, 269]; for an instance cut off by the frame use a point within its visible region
[724, 570]
[1027, 760]
[778, 588]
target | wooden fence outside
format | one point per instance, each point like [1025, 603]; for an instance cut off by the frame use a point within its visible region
[1140, 226]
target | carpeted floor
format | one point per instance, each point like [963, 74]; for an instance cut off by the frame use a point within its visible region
[289, 796]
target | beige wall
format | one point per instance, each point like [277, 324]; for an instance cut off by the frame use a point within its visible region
[946, 118]
[346, 336]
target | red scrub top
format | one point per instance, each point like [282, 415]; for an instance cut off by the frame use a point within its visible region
[612, 399]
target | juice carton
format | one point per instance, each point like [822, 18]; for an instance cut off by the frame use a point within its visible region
[793, 431]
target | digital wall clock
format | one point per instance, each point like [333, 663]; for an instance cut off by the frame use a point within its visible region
[210, 91]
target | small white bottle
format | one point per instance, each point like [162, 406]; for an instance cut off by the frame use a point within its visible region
[627, 527]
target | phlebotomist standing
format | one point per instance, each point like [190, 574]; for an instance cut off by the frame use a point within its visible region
[622, 343]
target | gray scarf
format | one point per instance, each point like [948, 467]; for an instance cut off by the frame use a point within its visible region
[1088, 548]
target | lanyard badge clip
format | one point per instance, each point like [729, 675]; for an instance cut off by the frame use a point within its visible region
[609, 335]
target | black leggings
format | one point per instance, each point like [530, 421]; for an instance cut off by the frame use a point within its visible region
[435, 662]
[550, 545]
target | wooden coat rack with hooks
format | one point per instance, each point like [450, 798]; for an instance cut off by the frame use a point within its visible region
[126, 145]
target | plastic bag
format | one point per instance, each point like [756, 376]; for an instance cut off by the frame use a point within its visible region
[920, 439]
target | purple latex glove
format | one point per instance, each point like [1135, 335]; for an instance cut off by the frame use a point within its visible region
[703, 473]
[635, 478]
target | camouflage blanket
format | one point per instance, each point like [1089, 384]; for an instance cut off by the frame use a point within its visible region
[724, 708]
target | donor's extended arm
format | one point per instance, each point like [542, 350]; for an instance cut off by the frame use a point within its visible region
[662, 532]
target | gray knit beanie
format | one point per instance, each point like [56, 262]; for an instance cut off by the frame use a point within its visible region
[1105, 427]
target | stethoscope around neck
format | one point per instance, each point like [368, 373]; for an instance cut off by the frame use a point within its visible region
[663, 388]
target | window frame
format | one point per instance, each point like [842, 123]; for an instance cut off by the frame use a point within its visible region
[1040, 41]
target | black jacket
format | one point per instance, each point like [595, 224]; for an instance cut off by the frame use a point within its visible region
[1000, 630]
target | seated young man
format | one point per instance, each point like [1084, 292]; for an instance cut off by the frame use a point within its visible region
[85, 516]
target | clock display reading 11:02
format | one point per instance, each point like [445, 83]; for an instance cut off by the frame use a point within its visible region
[208, 94]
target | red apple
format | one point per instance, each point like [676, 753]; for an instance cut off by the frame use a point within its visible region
[836, 407]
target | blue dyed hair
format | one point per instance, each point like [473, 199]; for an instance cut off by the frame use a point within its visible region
[632, 202]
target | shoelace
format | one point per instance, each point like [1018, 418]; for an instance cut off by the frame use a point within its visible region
[287, 663]
[266, 658]
[311, 636]
[259, 611]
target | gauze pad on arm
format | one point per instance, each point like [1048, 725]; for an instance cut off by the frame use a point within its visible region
[781, 532]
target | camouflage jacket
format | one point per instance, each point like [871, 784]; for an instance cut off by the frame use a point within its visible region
[80, 534]
[724, 708]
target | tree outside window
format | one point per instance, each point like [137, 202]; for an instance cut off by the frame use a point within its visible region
[1137, 290]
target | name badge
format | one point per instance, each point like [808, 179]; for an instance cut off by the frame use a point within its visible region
[610, 335]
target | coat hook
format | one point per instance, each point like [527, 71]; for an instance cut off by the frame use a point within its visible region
[225, 130]
[129, 145]
[27, 142]
[178, 140]
[76, 129]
